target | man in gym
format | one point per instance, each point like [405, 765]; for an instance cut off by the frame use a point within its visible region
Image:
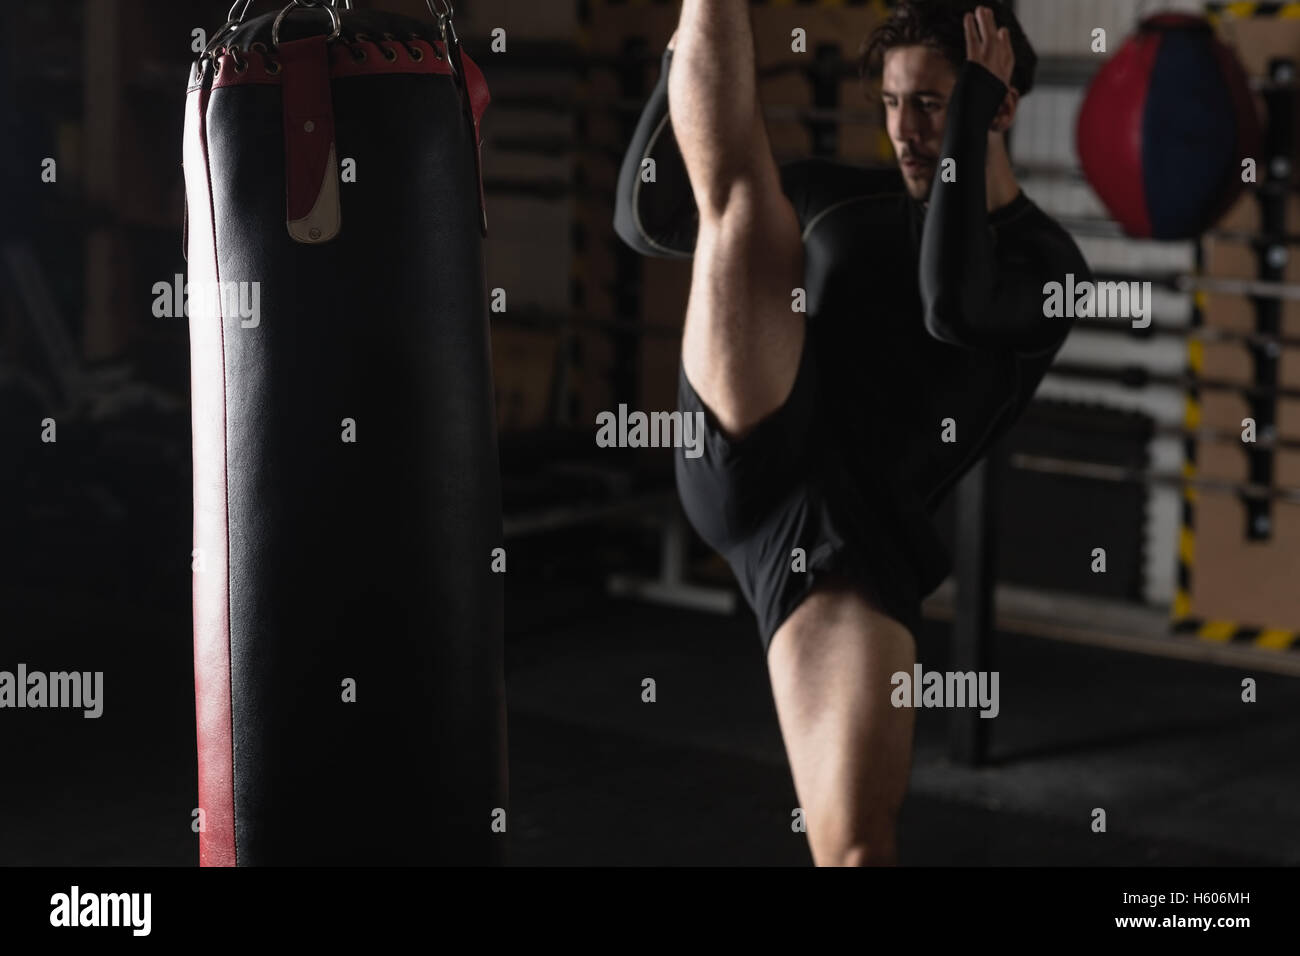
[856, 340]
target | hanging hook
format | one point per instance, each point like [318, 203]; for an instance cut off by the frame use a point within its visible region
[444, 11]
[335, 21]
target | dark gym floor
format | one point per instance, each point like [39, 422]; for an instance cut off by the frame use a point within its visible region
[1188, 774]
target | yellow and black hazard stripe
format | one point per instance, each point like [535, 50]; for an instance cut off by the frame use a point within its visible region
[1232, 9]
[1187, 515]
[1213, 630]
[1229, 632]
[1218, 631]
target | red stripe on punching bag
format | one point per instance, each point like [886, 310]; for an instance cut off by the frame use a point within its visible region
[479, 97]
[212, 701]
[478, 100]
[310, 161]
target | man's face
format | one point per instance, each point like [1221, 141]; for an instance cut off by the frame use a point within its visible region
[916, 84]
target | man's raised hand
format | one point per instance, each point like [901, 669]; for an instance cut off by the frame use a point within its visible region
[989, 46]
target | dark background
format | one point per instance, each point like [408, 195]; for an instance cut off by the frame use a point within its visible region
[95, 531]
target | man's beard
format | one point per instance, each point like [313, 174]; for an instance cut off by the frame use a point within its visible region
[918, 187]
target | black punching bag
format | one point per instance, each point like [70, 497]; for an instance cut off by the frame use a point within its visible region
[347, 617]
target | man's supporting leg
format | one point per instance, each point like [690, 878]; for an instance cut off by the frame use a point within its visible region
[850, 750]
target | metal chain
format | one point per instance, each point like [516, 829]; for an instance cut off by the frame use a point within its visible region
[335, 20]
[239, 10]
[443, 11]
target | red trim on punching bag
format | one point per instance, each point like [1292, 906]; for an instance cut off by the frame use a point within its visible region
[301, 157]
[1108, 135]
[310, 162]
[478, 101]
[212, 697]
[251, 65]
[343, 64]
[479, 97]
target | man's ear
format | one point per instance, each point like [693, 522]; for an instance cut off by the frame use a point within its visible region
[1006, 114]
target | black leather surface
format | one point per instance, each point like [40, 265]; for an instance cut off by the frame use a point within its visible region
[372, 560]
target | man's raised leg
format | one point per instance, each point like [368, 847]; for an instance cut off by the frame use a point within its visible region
[742, 346]
[742, 342]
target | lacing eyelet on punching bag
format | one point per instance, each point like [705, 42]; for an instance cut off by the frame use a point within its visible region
[259, 46]
[240, 67]
[436, 54]
[359, 52]
[414, 52]
[389, 53]
[272, 66]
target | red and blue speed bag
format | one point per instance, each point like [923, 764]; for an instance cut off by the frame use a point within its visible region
[1164, 128]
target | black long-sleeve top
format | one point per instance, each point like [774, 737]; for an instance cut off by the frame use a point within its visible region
[916, 316]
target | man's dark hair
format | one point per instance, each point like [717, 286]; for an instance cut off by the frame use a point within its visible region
[938, 24]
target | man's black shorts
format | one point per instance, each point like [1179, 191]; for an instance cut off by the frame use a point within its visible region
[791, 484]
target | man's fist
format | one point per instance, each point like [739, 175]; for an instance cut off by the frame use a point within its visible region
[989, 46]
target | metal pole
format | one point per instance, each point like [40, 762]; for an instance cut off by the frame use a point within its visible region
[975, 569]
